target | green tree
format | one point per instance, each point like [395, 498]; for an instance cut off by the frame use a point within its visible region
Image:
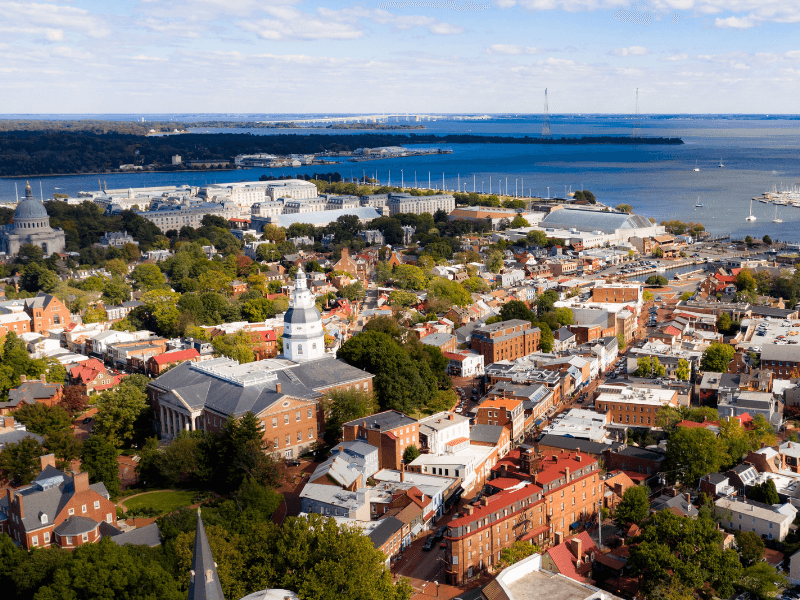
[750, 546]
[657, 280]
[115, 292]
[64, 445]
[716, 358]
[627, 208]
[409, 277]
[147, 277]
[37, 278]
[745, 281]
[767, 240]
[516, 552]
[402, 298]
[519, 221]
[475, 285]
[647, 296]
[99, 460]
[342, 406]
[683, 371]
[735, 439]
[764, 492]
[686, 296]
[763, 579]
[353, 291]
[761, 432]
[19, 462]
[546, 301]
[494, 261]
[565, 316]
[117, 267]
[658, 252]
[94, 314]
[621, 341]
[238, 346]
[546, 337]
[694, 452]
[537, 238]
[635, 506]
[515, 309]
[122, 411]
[649, 366]
[449, 291]
[43, 419]
[411, 453]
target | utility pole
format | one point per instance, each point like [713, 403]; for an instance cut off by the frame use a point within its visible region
[546, 135]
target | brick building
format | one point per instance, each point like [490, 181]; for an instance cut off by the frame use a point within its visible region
[636, 406]
[506, 340]
[155, 365]
[782, 361]
[617, 293]
[562, 489]
[506, 412]
[57, 510]
[93, 374]
[37, 391]
[44, 310]
[390, 431]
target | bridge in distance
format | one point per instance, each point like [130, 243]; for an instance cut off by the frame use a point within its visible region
[382, 118]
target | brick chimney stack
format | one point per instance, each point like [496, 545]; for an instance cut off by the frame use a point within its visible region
[566, 473]
[20, 498]
[48, 460]
[278, 388]
[402, 473]
[470, 509]
[43, 378]
[577, 547]
[23, 378]
[81, 482]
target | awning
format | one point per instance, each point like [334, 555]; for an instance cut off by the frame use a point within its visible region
[416, 529]
[534, 532]
[575, 525]
[539, 422]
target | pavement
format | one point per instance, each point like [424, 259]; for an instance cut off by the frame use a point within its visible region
[296, 479]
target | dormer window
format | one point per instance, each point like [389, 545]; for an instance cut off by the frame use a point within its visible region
[43, 518]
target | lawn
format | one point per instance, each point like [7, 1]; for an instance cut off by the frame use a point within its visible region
[163, 502]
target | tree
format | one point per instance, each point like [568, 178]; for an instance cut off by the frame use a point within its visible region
[761, 432]
[20, 462]
[274, 234]
[353, 291]
[635, 506]
[115, 292]
[342, 406]
[99, 460]
[683, 371]
[238, 346]
[147, 277]
[764, 492]
[411, 453]
[519, 221]
[658, 252]
[647, 296]
[763, 579]
[37, 278]
[626, 208]
[515, 309]
[516, 552]
[745, 281]
[546, 336]
[449, 291]
[686, 296]
[546, 301]
[565, 316]
[43, 419]
[716, 358]
[735, 439]
[750, 546]
[621, 341]
[122, 410]
[657, 280]
[494, 261]
[694, 452]
[767, 240]
[402, 298]
[117, 267]
[409, 277]
[537, 238]
[649, 366]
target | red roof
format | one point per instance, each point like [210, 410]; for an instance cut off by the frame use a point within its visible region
[534, 532]
[670, 330]
[457, 441]
[503, 483]
[496, 502]
[178, 355]
[554, 469]
[566, 561]
[695, 424]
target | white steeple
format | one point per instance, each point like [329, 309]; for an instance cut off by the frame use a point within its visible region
[303, 335]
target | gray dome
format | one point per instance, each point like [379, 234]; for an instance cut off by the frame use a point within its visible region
[30, 208]
[302, 316]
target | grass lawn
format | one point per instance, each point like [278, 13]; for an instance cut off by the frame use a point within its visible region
[164, 502]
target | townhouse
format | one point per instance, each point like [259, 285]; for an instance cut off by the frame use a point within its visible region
[505, 340]
[390, 431]
[635, 406]
[506, 412]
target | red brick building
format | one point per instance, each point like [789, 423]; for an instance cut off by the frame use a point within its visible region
[57, 510]
[37, 391]
[563, 489]
[390, 431]
[94, 376]
[45, 311]
[506, 340]
[155, 365]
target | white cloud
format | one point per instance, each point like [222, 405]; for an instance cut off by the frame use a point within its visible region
[512, 50]
[675, 57]
[50, 20]
[736, 22]
[630, 51]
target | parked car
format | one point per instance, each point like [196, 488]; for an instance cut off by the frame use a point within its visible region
[292, 462]
[87, 420]
[429, 542]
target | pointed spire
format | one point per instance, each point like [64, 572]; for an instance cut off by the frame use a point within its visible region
[204, 583]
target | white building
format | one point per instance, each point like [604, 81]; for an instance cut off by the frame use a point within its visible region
[189, 214]
[438, 429]
[764, 520]
[406, 203]
[303, 335]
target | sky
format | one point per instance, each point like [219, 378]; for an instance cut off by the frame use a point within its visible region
[417, 56]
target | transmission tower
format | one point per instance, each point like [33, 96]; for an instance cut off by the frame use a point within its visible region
[636, 132]
[546, 135]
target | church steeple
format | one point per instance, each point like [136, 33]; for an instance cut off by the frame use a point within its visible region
[204, 584]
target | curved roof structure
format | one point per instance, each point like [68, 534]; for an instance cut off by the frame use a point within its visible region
[593, 220]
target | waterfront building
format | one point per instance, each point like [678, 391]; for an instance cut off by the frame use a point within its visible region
[31, 226]
[188, 214]
[406, 203]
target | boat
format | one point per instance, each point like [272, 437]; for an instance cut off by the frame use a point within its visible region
[775, 219]
[696, 168]
[699, 204]
[751, 217]
[720, 162]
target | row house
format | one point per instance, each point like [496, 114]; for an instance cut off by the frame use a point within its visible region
[637, 406]
[44, 310]
[506, 412]
[94, 375]
[156, 365]
[562, 490]
[57, 510]
[391, 431]
[133, 355]
[506, 340]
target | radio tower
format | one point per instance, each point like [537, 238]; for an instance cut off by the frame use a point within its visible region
[546, 135]
[636, 132]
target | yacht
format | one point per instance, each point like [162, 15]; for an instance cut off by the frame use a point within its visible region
[751, 217]
[699, 204]
[696, 168]
[775, 219]
[720, 163]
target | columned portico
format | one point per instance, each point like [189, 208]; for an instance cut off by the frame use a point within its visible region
[174, 419]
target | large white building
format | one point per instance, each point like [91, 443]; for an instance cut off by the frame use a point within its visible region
[248, 193]
[406, 203]
[188, 214]
[31, 226]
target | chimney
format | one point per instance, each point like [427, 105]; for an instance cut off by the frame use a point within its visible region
[566, 473]
[618, 489]
[577, 547]
[470, 509]
[278, 388]
[688, 498]
[10, 496]
[20, 498]
[450, 416]
[402, 473]
[23, 378]
[559, 538]
[81, 481]
[48, 460]
[43, 378]
[8, 421]
[485, 501]
[341, 448]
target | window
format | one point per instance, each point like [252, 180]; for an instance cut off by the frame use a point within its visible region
[69, 540]
[286, 419]
[311, 433]
[71, 511]
[274, 421]
[297, 416]
[46, 537]
[288, 440]
[275, 445]
[83, 508]
[96, 504]
[108, 517]
[85, 537]
[299, 436]
[35, 540]
[310, 413]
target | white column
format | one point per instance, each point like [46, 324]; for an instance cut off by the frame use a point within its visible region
[163, 419]
[174, 423]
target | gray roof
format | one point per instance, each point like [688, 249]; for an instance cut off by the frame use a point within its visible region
[678, 502]
[781, 352]
[437, 339]
[355, 448]
[75, 525]
[592, 220]
[204, 584]
[301, 316]
[385, 421]
[149, 535]
[30, 208]
[716, 478]
[568, 443]
[590, 316]
[13, 436]
[500, 325]
[489, 434]
[30, 391]
[637, 452]
[232, 389]
[385, 530]
[338, 469]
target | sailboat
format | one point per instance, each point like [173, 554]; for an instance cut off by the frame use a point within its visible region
[696, 168]
[775, 219]
[720, 162]
[699, 204]
[752, 216]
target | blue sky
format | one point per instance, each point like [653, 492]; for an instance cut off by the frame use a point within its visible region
[449, 56]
